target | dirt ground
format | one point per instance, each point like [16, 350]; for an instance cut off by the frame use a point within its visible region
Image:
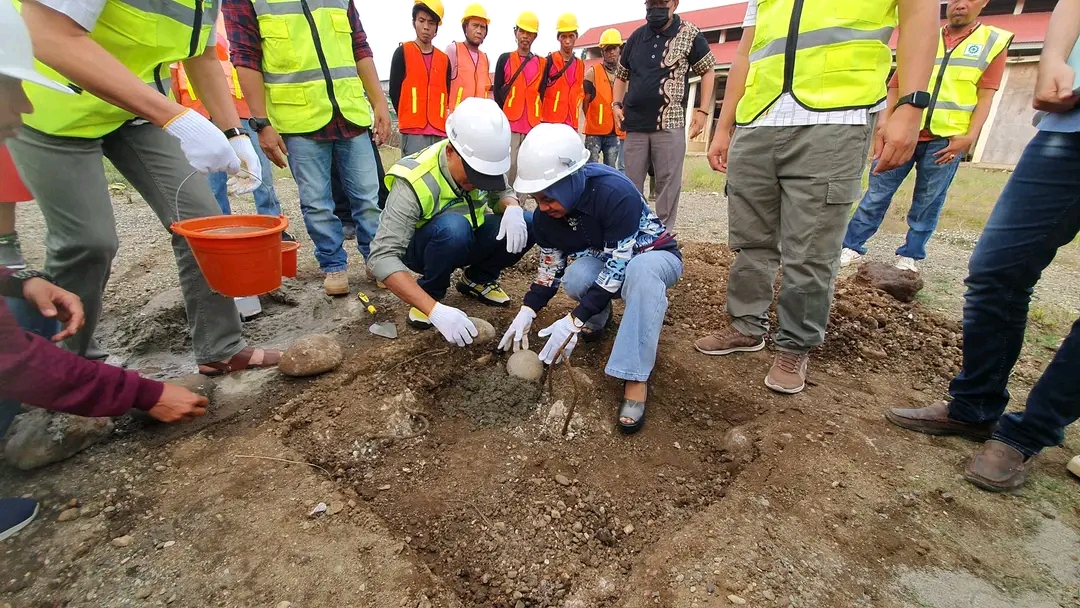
[443, 483]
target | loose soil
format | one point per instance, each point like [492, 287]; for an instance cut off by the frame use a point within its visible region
[447, 483]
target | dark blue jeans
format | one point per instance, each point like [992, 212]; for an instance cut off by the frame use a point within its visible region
[931, 184]
[1038, 212]
[449, 242]
[31, 320]
[266, 200]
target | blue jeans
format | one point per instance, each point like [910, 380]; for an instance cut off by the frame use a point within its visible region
[30, 320]
[449, 242]
[621, 166]
[648, 277]
[354, 159]
[1038, 212]
[266, 200]
[608, 145]
[931, 184]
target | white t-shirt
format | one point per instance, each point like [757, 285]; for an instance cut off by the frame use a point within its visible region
[87, 12]
[786, 112]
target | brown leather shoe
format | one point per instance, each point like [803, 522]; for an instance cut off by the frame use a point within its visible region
[727, 342]
[788, 372]
[934, 420]
[998, 467]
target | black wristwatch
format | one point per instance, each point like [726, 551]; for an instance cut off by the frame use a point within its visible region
[918, 99]
[233, 132]
[258, 124]
[13, 286]
[616, 104]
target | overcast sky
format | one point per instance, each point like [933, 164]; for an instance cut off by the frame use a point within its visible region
[388, 23]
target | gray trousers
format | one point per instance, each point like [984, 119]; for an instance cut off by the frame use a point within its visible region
[665, 150]
[790, 191]
[515, 146]
[67, 178]
[411, 144]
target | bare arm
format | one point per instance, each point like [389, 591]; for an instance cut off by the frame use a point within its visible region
[251, 84]
[65, 46]
[982, 111]
[1053, 88]
[365, 68]
[736, 82]
[204, 71]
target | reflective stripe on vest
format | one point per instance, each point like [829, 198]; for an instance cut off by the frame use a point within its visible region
[473, 79]
[426, 90]
[146, 36]
[954, 83]
[524, 94]
[598, 116]
[828, 54]
[309, 71]
[423, 173]
[561, 98]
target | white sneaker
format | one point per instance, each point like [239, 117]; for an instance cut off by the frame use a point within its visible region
[907, 264]
[847, 256]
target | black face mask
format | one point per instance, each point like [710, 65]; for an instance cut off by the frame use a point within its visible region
[657, 17]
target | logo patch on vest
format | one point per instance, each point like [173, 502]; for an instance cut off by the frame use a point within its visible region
[973, 50]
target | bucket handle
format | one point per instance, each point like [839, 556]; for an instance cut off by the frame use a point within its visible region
[176, 199]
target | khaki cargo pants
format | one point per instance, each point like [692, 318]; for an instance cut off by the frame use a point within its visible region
[790, 191]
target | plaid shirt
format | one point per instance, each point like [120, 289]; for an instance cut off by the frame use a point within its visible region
[245, 51]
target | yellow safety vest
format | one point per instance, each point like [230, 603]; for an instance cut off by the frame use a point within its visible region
[828, 54]
[954, 81]
[308, 65]
[146, 36]
[437, 196]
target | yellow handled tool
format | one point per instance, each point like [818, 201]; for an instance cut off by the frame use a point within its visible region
[384, 329]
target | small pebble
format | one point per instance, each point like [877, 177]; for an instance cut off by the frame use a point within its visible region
[168, 544]
[122, 541]
[734, 599]
[284, 605]
[68, 514]
[628, 529]
[562, 480]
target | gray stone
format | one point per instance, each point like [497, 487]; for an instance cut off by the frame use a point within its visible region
[485, 332]
[68, 515]
[311, 356]
[122, 541]
[562, 480]
[526, 365]
[40, 437]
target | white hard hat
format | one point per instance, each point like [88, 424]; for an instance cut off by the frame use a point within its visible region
[479, 131]
[549, 153]
[16, 53]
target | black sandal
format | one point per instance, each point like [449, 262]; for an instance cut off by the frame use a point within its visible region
[633, 410]
[590, 335]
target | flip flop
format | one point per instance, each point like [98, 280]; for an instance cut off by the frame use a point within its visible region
[590, 335]
[241, 361]
[634, 410]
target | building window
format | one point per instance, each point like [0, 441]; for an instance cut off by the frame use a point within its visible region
[1039, 6]
[712, 36]
[994, 7]
[734, 34]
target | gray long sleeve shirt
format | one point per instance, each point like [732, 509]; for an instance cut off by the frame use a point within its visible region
[398, 223]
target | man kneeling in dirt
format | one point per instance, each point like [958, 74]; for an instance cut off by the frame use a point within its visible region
[436, 221]
[595, 214]
[32, 370]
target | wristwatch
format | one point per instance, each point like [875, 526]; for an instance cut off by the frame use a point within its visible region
[13, 286]
[233, 132]
[258, 124]
[918, 99]
[616, 104]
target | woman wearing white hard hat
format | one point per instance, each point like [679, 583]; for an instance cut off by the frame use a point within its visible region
[437, 220]
[593, 213]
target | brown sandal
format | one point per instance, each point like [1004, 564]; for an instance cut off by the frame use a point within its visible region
[241, 361]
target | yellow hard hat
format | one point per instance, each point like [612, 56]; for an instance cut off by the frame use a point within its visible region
[567, 23]
[475, 11]
[529, 22]
[435, 6]
[611, 37]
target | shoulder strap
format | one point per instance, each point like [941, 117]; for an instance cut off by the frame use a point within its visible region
[558, 75]
[510, 83]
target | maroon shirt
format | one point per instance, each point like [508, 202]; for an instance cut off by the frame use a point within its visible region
[37, 372]
[245, 51]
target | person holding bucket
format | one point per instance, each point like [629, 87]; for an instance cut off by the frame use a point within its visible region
[116, 61]
[436, 221]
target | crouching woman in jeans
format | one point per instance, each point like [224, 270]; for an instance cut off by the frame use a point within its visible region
[599, 239]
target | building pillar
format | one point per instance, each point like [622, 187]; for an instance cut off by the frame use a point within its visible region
[691, 103]
[988, 126]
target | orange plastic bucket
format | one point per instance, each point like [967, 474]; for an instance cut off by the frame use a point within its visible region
[240, 255]
[288, 258]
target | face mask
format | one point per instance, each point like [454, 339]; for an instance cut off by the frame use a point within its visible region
[657, 17]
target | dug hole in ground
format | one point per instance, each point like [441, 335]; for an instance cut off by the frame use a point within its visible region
[418, 474]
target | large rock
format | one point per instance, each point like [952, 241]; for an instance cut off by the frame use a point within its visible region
[199, 384]
[40, 437]
[900, 284]
[311, 356]
[525, 364]
[485, 332]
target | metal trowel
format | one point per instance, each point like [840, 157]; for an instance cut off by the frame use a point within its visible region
[383, 329]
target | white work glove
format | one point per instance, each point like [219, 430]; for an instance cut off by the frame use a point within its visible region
[559, 331]
[454, 325]
[204, 145]
[514, 229]
[250, 175]
[518, 334]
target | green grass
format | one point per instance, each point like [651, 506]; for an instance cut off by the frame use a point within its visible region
[698, 175]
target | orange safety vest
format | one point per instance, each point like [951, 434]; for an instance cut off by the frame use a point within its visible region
[473, 79]
[562, 99]
[598, 115]
[189, 98]
[523, 94]
[423, 94]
